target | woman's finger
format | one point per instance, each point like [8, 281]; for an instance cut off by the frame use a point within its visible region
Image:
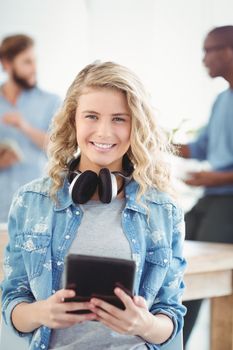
[97, 304]
[67, 320]
[116, 312]
[109, 320]
[125, 298]
[62, 294]
[140, 301]
[72, 306]
[77, 318]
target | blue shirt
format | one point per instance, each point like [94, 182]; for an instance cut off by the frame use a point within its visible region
[215, 143]
[37, 108]
[41, 233]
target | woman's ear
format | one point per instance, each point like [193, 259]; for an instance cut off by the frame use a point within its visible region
[77, 153]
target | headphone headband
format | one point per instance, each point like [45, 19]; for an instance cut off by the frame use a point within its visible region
[83, 185]
[126, 164]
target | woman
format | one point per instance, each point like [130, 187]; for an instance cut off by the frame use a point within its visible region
[106, 116]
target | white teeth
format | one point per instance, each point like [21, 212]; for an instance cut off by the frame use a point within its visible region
[102, 145]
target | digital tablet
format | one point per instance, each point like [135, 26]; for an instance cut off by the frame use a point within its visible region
[94, 276]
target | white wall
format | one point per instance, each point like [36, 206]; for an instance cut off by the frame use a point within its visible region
[161, 40]
[60, 32]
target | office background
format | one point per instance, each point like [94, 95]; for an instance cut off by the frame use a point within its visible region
[161, 40]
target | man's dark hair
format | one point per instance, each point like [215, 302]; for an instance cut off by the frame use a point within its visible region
[224, 34]
[12, 45]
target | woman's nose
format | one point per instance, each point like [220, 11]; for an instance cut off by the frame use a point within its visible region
[104, 128]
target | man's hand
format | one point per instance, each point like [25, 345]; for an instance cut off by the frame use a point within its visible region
[7, 158]
[37, 136]
[14, 119]
[209, 178]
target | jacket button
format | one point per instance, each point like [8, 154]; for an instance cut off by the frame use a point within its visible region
[67, 237]
[165, 260]
[77, 212]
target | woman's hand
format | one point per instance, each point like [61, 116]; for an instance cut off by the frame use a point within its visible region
[134, 320]
[54, 311]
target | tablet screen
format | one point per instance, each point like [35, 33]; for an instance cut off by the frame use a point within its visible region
[92, 276]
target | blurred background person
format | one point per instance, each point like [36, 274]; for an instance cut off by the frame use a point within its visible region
[211, 219]
[25, 115]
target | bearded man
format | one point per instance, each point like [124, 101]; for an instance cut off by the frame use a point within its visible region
[25, 115]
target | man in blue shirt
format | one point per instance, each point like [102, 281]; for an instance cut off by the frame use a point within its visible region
[211, 219]
[25, 115]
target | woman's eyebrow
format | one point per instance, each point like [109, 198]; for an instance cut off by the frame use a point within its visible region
[93, 112]
[119, 114]
[113, 114]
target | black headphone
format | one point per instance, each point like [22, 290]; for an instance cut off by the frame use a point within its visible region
[83, 185]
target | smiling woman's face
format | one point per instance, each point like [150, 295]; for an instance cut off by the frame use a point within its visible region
[103, 124]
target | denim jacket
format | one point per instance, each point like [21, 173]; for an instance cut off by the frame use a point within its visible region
[41, 233]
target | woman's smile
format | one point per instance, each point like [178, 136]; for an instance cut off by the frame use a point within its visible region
[103, 147]
[103, 128]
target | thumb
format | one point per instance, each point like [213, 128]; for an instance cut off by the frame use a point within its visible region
[64, 293]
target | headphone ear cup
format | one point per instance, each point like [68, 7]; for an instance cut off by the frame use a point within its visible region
[107, 186]
[83, 187]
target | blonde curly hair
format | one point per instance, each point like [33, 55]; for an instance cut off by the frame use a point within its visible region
[148, 144]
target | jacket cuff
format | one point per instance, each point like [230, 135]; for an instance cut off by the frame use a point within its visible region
[7, 311]
[173, 317]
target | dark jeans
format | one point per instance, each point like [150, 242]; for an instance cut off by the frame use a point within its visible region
[210, 220]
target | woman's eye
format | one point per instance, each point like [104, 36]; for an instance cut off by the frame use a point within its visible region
[119, 119]
[91, 116]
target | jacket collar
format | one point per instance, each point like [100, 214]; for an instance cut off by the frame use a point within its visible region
[131, 190]
[63, 197]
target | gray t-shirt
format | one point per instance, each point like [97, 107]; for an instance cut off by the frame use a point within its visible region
[100, 233]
